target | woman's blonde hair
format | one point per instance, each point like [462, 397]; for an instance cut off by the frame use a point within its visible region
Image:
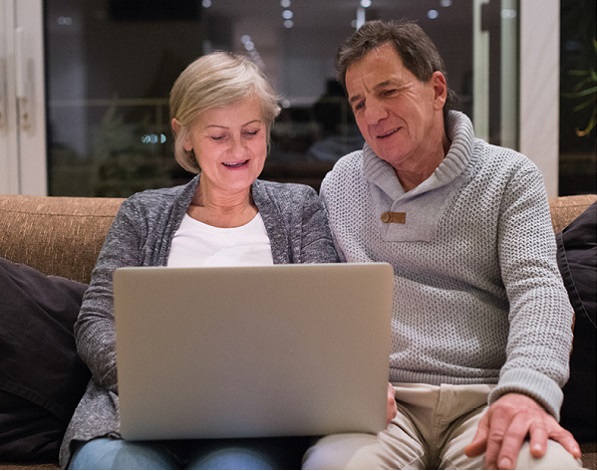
[215, 80]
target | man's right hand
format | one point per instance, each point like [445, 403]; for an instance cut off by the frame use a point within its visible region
[507, 423]
[392, 409]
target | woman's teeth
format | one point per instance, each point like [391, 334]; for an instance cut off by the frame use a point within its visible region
[237, 164]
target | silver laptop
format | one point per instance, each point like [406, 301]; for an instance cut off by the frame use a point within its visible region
[232, 352]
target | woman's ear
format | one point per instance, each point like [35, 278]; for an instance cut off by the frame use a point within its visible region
[175, 126]
[179, 132]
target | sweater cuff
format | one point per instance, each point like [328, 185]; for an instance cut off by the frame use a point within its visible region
[540, 387]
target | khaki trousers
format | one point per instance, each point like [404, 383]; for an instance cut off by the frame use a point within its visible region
[433, 426]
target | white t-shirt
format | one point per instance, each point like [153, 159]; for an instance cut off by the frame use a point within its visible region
[198, 244]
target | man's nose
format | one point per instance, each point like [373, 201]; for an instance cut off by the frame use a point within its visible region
[375, 111]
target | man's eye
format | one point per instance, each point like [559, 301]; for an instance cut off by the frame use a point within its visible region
[389, 92]
[358, 106]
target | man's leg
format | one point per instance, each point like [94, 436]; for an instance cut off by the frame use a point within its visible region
[398, 447]
[462, 431]
[459, 435]
[556, 457]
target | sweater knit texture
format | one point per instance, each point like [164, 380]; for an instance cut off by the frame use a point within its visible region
[141, 235]
[478, 297]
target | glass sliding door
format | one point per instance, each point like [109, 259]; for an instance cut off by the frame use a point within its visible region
[110, 65]
[22, 100]
[578, 97]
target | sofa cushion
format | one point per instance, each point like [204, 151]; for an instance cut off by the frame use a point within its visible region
[564, 209]
[577, 259]
[56, 235]
[41, 376]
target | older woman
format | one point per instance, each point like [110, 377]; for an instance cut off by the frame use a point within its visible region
[222, 109]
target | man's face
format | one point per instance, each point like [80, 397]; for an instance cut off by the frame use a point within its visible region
[399, 116]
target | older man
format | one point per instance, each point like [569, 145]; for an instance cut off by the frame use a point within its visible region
[482, 322]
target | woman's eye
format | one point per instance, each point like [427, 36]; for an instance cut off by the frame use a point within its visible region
[250, 134]
[218, 138]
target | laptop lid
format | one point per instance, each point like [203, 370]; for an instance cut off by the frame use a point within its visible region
[228, 352]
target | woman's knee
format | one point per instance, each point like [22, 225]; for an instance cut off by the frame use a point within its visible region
[234, 457]
[258, 453]
[108, 453]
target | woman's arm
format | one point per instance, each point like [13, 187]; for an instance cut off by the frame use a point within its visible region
[317, 245]
[94, 329]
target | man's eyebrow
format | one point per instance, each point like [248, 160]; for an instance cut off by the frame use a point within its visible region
[383, 84]
[354, 98]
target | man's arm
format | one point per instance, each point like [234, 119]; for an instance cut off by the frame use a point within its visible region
[525, 403]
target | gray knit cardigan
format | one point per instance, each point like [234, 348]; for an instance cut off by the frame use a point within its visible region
[141, 235]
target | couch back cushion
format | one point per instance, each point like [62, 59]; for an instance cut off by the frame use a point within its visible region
[63, 235]
[58, 235]
[566, 209]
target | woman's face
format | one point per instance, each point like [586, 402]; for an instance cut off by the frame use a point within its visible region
[230, 145]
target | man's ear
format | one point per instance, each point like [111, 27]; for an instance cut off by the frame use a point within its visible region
[440, 86]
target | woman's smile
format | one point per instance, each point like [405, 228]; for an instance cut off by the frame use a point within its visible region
[234, 165]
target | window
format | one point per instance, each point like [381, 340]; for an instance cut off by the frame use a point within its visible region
[109, 65]
[578, 98]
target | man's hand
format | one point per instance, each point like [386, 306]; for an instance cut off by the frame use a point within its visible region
[392, 409]
[505, 426]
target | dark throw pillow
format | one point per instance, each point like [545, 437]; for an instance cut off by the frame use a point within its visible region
[41, 376]
[577, 259]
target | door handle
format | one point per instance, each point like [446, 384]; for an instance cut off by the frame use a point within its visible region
[23, 79]
[3, 93]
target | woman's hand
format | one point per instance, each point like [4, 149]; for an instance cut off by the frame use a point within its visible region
[392, 409]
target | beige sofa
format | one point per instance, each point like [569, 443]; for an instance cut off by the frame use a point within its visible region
[63, 235]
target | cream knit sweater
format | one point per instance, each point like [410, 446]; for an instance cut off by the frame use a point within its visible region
[478, 296]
